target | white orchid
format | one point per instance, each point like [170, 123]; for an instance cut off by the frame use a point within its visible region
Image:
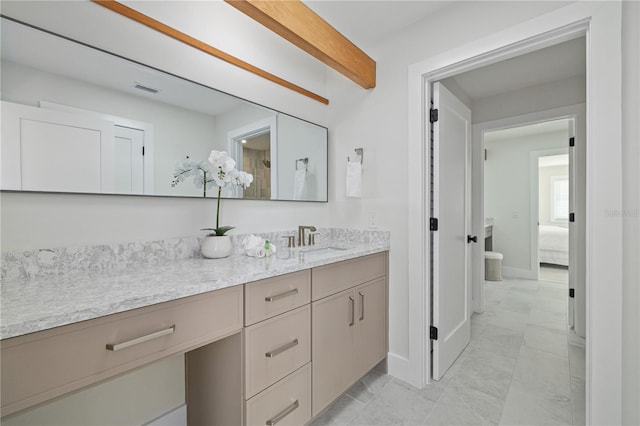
[225, 173]
[221, 171]
[200, 171]
[222, 161]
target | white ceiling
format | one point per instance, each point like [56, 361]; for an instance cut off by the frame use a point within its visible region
[366, 22]
[554, 63]
[355, 19]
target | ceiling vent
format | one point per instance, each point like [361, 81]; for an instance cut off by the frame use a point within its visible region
[145, 88]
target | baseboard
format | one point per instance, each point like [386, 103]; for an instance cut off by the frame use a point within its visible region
[398, 367]
[525, 274]
[175, 417]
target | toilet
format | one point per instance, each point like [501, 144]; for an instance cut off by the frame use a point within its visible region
[492, 266]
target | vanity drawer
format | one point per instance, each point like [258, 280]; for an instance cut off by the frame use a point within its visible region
[288, 402]
[43, 365]
[276, 347]
[267, 298]
[336, 277]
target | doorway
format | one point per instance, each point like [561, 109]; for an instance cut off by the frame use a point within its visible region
[603, 152]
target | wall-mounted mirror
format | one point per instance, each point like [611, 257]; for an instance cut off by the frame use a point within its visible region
[79, 119]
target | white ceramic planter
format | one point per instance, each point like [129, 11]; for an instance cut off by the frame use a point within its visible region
[216, 247]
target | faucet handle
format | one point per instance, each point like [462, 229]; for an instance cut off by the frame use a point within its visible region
[291, 240]
[312, 238]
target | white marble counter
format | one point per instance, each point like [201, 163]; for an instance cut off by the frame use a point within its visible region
[34, 303]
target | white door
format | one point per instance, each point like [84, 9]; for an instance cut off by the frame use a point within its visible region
[451, 250]
[45, 150]
[128, 160]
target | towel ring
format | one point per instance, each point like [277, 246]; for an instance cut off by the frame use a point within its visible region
[360, 152]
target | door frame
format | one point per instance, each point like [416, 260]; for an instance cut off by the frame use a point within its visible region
[601, 24]
[577, 113]
[534, 225]
[234, 136]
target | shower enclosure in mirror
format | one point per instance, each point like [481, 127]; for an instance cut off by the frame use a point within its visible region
[79, 119]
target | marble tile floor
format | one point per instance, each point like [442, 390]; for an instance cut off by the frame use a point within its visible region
[521, 367]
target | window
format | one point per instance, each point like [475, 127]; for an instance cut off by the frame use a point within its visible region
[559, 198]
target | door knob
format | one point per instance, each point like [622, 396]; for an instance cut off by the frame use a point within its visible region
[470, 239]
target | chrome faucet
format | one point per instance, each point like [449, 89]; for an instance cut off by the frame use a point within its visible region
[301, 233]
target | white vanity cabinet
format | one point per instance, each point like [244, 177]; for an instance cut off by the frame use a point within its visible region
[349, 332]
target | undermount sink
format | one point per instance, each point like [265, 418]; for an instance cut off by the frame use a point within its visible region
[323, 250]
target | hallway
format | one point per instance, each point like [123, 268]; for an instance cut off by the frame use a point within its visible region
[521, 368]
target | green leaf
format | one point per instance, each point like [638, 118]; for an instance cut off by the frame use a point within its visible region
[223, 229]
[218, 231]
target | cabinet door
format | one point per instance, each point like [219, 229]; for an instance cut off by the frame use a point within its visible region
[370, 328]
[333, 323]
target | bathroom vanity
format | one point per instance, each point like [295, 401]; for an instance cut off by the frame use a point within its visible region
[266, 341]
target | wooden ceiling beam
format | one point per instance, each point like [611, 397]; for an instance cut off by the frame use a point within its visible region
[300, 25]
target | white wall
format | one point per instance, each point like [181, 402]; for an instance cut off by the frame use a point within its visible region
[507, 195]
[631, 213]
[556, 94]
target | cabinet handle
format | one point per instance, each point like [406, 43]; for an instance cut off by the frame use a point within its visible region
[281, 295]
[137, 341]
[352, 305]
[281, 349]
[361, 305]
[284, 413]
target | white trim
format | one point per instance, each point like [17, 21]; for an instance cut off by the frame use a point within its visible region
[602, 24]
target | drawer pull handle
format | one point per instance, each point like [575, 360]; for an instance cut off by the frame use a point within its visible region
[137, 341]
[361, 305]
[290, 409]
[352, 308]
[281, 295]
[282, 348]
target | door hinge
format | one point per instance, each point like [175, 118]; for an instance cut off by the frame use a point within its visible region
[572, 217]
[433, 224]
[142, 149]
[572, 141]
[433, 332]
[433, 115]
[572, 293]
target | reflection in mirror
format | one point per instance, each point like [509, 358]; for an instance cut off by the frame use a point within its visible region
[256, 159]
[78, 119]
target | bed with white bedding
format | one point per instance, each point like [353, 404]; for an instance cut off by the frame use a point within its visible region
[553, 245]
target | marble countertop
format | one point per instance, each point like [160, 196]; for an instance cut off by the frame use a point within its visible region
[36, 304]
